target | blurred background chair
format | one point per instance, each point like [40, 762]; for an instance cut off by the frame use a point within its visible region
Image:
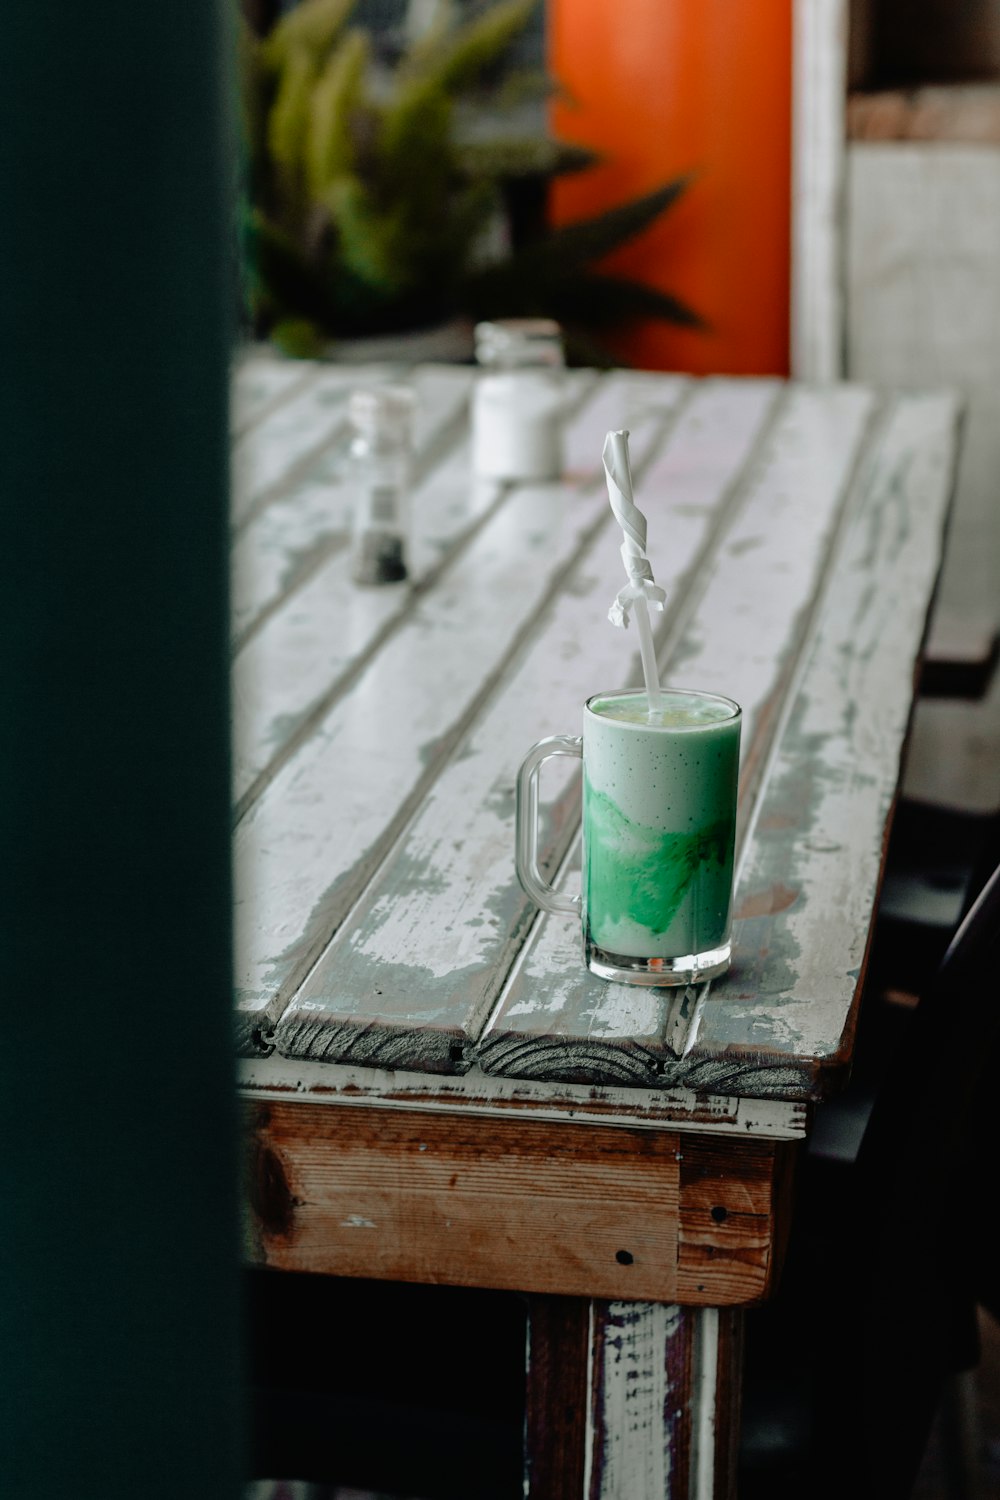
[892, 1248]
[946, 829]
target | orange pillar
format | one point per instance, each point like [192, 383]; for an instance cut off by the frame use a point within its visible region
[664, 87]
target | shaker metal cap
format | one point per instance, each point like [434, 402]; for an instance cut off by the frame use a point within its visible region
[374, 408]
[519, 341]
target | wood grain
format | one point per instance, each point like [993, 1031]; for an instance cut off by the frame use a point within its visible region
[526, 1205]
[313, 627]
[965, 115]
[664, 1416]
[277, 1077]
[781, 1023]
[288, 541]
[493, 1117]
[379, 922]
[273, 453]
[727, 1410]
[310, 844]
[824, 819]
[261, 383]
[641, 1418]
[727, 1226]
[558, 1390]
[747, 636]
[389, 992]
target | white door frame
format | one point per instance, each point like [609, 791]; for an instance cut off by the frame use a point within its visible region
[819, 89]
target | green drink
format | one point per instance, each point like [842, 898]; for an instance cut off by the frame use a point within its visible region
[659, 824]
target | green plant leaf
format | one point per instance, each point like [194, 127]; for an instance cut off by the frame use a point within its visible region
[328, 147]
[470, 210]
[526, 86]
[371, 195]
[524, 156]
[288, 123]
[414, 151]
[583, 349]
[572, 296]
[457, 59]
[373, 243]
[604, 301]
[313, 27]
[298, 338]
[591, 239]
[283, 283]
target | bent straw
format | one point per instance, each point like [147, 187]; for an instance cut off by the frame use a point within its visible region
[640, 592]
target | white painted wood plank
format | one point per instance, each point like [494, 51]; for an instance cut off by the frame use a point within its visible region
[290, 670]
[818, 133]
[302, 651]
[744, 639]
[806, 894]
[286, 542]
[290, 439]
[278, 1077]
[779, 1025]
[261, 381]
[310, 844]
[416, 970]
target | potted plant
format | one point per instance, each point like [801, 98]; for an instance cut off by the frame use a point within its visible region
[375, 186]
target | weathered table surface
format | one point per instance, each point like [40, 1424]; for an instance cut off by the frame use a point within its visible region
[495, 1093]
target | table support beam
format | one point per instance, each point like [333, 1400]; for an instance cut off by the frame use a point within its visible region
[631, 1400]
[557, 1397]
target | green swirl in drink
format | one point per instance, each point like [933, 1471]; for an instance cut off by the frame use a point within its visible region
[659, 818]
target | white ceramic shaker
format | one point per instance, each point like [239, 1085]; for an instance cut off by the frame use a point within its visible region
[516, 431]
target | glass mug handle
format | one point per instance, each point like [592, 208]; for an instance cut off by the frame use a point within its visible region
[526, 822]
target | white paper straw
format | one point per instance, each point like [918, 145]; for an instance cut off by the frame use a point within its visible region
[641, 591]
[648, 656]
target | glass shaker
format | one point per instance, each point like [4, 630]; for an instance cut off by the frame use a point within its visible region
[516, 432]
[381, 457]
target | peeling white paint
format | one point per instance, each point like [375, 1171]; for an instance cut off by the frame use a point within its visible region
[342, 1086]
[396, 822]
[792, 498]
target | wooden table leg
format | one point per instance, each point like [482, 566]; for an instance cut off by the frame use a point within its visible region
[632, 1401]
[664, 1417]
[557, 1397]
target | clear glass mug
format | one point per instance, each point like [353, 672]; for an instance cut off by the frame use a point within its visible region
[659, 828]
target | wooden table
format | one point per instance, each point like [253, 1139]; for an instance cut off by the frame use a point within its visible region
[436, 1090]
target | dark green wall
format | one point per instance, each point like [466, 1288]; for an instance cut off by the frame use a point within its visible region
[118, 1301]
